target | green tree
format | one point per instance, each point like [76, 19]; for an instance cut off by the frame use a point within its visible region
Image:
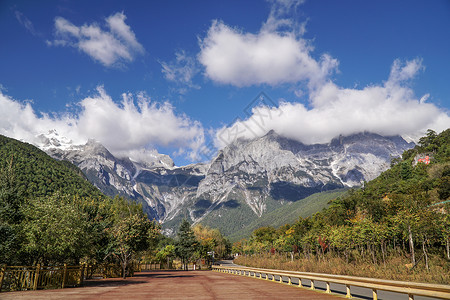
[186, 243]
[55, 231]
[265, 234]
[429, 142]
[10, 215]
[211, 240]
[286, 240]
[165, 254]
[443, 225]
[129, 235]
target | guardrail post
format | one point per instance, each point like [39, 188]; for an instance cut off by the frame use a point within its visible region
[281, 279]
[349, 295]
[328, 288]
[300, 282]
[36, 277]
[410, 297]
[312, 284]
[273, 277]
[290, 281]
[374, 294]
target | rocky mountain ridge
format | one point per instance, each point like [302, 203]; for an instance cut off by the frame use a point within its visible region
[246, 178]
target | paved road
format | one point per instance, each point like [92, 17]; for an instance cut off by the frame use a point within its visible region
[175, 285]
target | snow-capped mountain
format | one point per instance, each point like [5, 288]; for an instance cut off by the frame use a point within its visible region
[250, 177]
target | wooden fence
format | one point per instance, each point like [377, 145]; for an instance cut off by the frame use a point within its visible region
[412, 289]
[22, 278]
[175, 265]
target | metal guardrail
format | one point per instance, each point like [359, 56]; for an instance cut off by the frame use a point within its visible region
[412, 289]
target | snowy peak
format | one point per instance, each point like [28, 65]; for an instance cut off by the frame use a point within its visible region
[150, 159]
[250, 177]
[53, 140]
[347, 159]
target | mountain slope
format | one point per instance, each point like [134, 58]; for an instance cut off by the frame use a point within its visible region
[246, 180]
[285, 214]
[272, 171]
[36, 174]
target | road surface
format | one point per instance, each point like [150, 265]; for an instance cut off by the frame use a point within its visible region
[175, 285]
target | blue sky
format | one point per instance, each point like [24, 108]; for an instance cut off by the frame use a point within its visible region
[181, 77]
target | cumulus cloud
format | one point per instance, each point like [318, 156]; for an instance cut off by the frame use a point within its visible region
[387, 109]
[244, 59]
[112, 46]
[181, 71]
[128, 127]
[278, 54]
[275, 55]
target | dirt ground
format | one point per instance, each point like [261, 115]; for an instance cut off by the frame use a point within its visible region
[175, 285]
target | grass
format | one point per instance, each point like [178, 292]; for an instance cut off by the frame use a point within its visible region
[396, 267]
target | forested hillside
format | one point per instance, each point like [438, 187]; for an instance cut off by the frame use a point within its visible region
[36, 174]
[398, 222]
[50, 214]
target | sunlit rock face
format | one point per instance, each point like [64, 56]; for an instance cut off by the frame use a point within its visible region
[260, 174]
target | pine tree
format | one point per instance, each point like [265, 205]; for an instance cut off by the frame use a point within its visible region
[186, 243]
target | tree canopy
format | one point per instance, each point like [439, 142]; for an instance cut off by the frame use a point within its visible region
[50, 214]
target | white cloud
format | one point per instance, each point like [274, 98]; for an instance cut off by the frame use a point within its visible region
[275, 55]
[123, 128]
[181, 71]
[400, 73]
[387, 109]
[278, 54]
[244, 59]
[112, 47]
